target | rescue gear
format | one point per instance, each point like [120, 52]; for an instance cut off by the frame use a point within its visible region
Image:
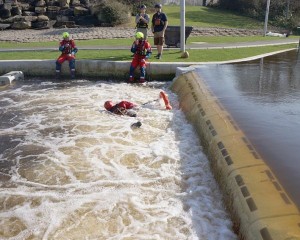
[131, 79]
[108, 105]
[66, 35]
[139, 35]
[142, 51]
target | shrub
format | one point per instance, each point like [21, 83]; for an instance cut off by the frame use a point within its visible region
[111, 12]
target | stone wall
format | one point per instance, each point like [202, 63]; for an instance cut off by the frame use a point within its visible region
[42, 14]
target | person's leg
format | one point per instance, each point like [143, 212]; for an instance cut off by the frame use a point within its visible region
[160, 47]
[71, 60]
[156, 43]
[58, 63]
[143, 72]
[133, 66]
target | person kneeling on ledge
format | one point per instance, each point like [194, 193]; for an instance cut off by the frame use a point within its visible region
[142, 51]
[68, 48]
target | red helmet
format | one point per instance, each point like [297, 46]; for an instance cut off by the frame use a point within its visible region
[108, 105]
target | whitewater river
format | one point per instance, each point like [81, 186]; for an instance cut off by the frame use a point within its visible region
[70, 170]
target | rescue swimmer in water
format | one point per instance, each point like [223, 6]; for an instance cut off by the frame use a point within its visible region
[142, 51]
[121, 108]
[125, 108]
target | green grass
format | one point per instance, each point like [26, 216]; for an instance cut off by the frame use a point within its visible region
[198, 16]
[128, 41]
[170, 55]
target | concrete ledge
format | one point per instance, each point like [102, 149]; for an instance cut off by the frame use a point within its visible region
[90, 68]
[260, 207]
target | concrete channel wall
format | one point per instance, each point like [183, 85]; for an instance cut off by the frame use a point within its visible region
[259, 205]
[89, 68]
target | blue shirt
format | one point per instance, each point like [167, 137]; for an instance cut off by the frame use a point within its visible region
[159, 21]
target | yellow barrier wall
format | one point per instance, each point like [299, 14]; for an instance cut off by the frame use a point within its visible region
[259, 205]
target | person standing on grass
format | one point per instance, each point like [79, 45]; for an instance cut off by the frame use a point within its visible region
[158, 27]
[142, 20]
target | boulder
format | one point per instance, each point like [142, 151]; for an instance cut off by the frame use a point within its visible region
[40, 10]
[80, 11]
[27, 13]
[30, 18]
[26, 7]
[64, 3]
[40, 3]
[21, 25]
[13, 19]
[4, 26]
[42, 18]
[76, 3]
[5, 13]
[16, 10]
[40, 25]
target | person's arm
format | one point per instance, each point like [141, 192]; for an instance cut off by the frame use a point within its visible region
[145, 19]
[152, 24]
[165, 23]
[126, 105]
[74, 48]
[137, 18]
[61, 46]
[133, 47]
[149, 51]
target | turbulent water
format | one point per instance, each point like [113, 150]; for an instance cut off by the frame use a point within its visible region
[70, 170]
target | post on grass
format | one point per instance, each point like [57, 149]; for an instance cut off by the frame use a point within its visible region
[299, 37]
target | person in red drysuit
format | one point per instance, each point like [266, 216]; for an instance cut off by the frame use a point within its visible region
[142, 51]
[68, 48]
[121, 108]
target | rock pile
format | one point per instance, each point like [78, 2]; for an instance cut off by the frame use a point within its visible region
[43, 14]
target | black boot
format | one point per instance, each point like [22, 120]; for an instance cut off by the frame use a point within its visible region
[73, 74]
[57, 75]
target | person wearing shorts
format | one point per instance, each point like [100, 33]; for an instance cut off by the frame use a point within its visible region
[158, 27]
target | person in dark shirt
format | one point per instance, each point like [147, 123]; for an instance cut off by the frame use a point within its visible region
[142, 20]
[158, 27]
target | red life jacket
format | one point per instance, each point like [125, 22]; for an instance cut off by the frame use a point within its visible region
[68, 50]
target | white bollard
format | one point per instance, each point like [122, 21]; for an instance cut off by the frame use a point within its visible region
[11, 76]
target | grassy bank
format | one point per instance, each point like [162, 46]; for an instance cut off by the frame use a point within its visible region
[128, 41]
[170, 55]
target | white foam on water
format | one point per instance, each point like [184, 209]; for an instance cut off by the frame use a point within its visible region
[70, 170]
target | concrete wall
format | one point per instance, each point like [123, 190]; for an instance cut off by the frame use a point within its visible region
[260, 207]
[90, 69]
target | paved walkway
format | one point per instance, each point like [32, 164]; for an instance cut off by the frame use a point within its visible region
[125, 32]
[54, 34]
